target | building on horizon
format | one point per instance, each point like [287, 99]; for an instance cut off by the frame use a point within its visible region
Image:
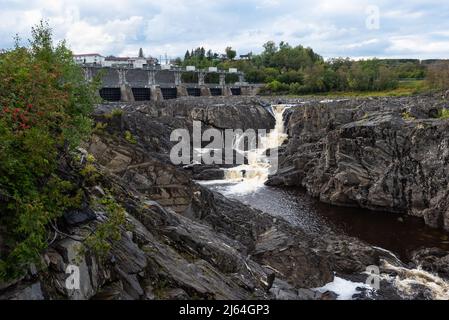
[97, 59]
[89, 58]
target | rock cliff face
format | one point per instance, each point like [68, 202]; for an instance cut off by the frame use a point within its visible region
[180, 240]
[183, 241]
[388, 154]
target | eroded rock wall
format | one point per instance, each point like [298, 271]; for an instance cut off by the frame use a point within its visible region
[388, 154]
[180, 240]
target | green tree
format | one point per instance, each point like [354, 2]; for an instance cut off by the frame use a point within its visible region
[230, 54]
[45, 107]
[209, 54]
[269, 48]
[438, 75]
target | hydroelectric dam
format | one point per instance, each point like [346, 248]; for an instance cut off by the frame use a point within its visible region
[155, 83]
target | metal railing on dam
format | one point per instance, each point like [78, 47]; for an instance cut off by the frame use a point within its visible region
[155, 83]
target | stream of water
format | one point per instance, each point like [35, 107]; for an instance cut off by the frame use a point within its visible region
[398, 234]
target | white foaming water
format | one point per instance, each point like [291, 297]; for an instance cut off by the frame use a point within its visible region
[248, 178]
[252, 176]
[345, 289]
[409, 282]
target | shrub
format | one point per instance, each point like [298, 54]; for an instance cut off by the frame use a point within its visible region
[276, 86]
[100, 241]
[438, 76]
[407, 116]
[45, 107]
[129, 137]
[117, 112]
[443, 114]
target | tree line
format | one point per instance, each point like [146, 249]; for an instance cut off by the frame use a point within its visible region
[300, 70]
[45, 108]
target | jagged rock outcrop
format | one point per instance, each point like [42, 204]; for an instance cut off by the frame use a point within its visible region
[433, 260]
[180, 240]
[160, 255]
[388, 154]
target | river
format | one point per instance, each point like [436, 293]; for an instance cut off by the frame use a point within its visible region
[399, 234]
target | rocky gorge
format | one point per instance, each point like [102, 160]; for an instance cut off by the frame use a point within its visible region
[385, 154]
[182, 240]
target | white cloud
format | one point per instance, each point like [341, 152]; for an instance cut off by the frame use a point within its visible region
[332, 28]
[361, 44]
[268, 4]
[418, 44]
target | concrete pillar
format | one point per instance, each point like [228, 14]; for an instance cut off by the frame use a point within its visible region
[156, 93]
[151, 77]
[178, 78]
[87, 74]
[205, 91]
[226, 91]
[246, 91]
[126, 93]
[241, 78]
[222, 79]
[121, 76]
[201, 78]
[181, 91]
[250, 90]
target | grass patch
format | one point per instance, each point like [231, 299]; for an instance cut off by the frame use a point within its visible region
[114, 113]
[129, 137]
[443, 114]
[405, 88]
[407, 116]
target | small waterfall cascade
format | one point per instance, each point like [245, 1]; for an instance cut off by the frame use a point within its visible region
[254, 173]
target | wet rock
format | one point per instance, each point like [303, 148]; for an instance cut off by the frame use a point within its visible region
[210, 174]
[25, 292]
[131, 285]
[329, 296]
[54, 260]
[112, 291]
[281, 290]
[289, 258]
[176, 294]
[77, 217]
[433, 260]
[182, 240]
[128, 256]
[366, 153]
[70, 250]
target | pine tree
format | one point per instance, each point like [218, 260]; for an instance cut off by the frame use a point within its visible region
[209, 54]
[202, 53]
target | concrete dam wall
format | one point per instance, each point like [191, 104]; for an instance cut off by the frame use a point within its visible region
[128, 85]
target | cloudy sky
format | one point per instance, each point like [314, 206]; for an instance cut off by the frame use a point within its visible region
[405, 28]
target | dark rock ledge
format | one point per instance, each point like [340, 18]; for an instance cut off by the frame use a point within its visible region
[182, 241]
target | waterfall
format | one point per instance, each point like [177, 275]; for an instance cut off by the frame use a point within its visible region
[410, 281]
[251, 176]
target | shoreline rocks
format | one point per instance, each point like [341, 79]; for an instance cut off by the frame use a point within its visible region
[386, 154]
[181, 240]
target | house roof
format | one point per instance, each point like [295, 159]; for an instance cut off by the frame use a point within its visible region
[112, 58]
[87, 55]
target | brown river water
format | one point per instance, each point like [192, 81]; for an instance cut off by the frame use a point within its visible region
[399, 234]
